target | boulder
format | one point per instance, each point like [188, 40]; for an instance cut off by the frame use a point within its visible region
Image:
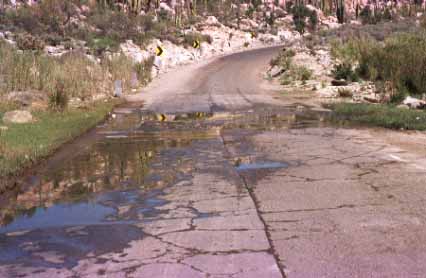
[372, 98]
[318, 11]
[287, 36]
[212, 20]
[27, 98]
[134, 52]
[56, 51]
[248, 24]
[164, 6]
[280, 12]
[414, 103]
[18, 117]
[276, 71]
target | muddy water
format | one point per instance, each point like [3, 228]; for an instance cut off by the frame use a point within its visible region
[97, 188]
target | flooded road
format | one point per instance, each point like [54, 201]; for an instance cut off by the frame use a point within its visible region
[244, 188]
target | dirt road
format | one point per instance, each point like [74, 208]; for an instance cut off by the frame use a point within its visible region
[219, 176]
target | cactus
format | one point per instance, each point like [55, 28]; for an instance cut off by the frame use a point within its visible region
[340, 11]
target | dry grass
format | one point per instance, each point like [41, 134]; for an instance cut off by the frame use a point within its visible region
[78, 75]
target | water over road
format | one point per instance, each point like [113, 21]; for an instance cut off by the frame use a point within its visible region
[215, 176]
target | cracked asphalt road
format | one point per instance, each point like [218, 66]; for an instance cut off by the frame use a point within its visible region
[252, 187]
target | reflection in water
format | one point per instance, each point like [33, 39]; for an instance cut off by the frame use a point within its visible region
[132, 154]
[68, 190]
[56, 215]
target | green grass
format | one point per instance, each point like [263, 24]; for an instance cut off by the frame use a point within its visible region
[24, 144]
[386, 116]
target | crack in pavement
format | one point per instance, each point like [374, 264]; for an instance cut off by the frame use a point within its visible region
[272, 250]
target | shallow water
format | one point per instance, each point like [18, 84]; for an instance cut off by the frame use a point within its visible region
[261, 165]
[120, 173]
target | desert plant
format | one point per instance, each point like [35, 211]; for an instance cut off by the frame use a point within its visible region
[143, 70]
[189, 38]
[374, 17]
[283, 59]
[300, 12]
[399, 60]
[313, 20]
[58, 100]
[121, 68]
[80, 76]
[285, 80]
[26, 41]
[344, 71]
[340, 11]
[301, 73]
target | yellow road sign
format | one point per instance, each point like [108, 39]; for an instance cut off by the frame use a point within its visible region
[159, 51]
[196, 44]
[161, 117]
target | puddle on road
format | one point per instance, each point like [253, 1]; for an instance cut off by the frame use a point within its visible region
[104, 186]
[57, 215]
[133, 151]
[260, 166]
[125, 157]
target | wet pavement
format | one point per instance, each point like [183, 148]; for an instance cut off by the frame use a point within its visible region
[259, 191]
[156, 195]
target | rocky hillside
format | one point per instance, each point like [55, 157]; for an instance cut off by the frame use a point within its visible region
[104, 32]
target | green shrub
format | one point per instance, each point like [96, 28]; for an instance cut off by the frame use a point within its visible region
[399, 60]
[99, 45]
[58, 100]
[250, 11]
[300, 12]
[347, 52]
[301, 73]
[344, 71]
[26, 41]
[313, 20]
[283, 59]
[386, 116]
[369, 17]
[285, 80]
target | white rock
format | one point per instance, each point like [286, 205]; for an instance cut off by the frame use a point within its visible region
[275, 71]
[414, 102]
[249, 23]
[166, 7]
[55, 50]
[134, 52]
[288, 36]
[212, 20]
[18, 117]
[318, 11]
